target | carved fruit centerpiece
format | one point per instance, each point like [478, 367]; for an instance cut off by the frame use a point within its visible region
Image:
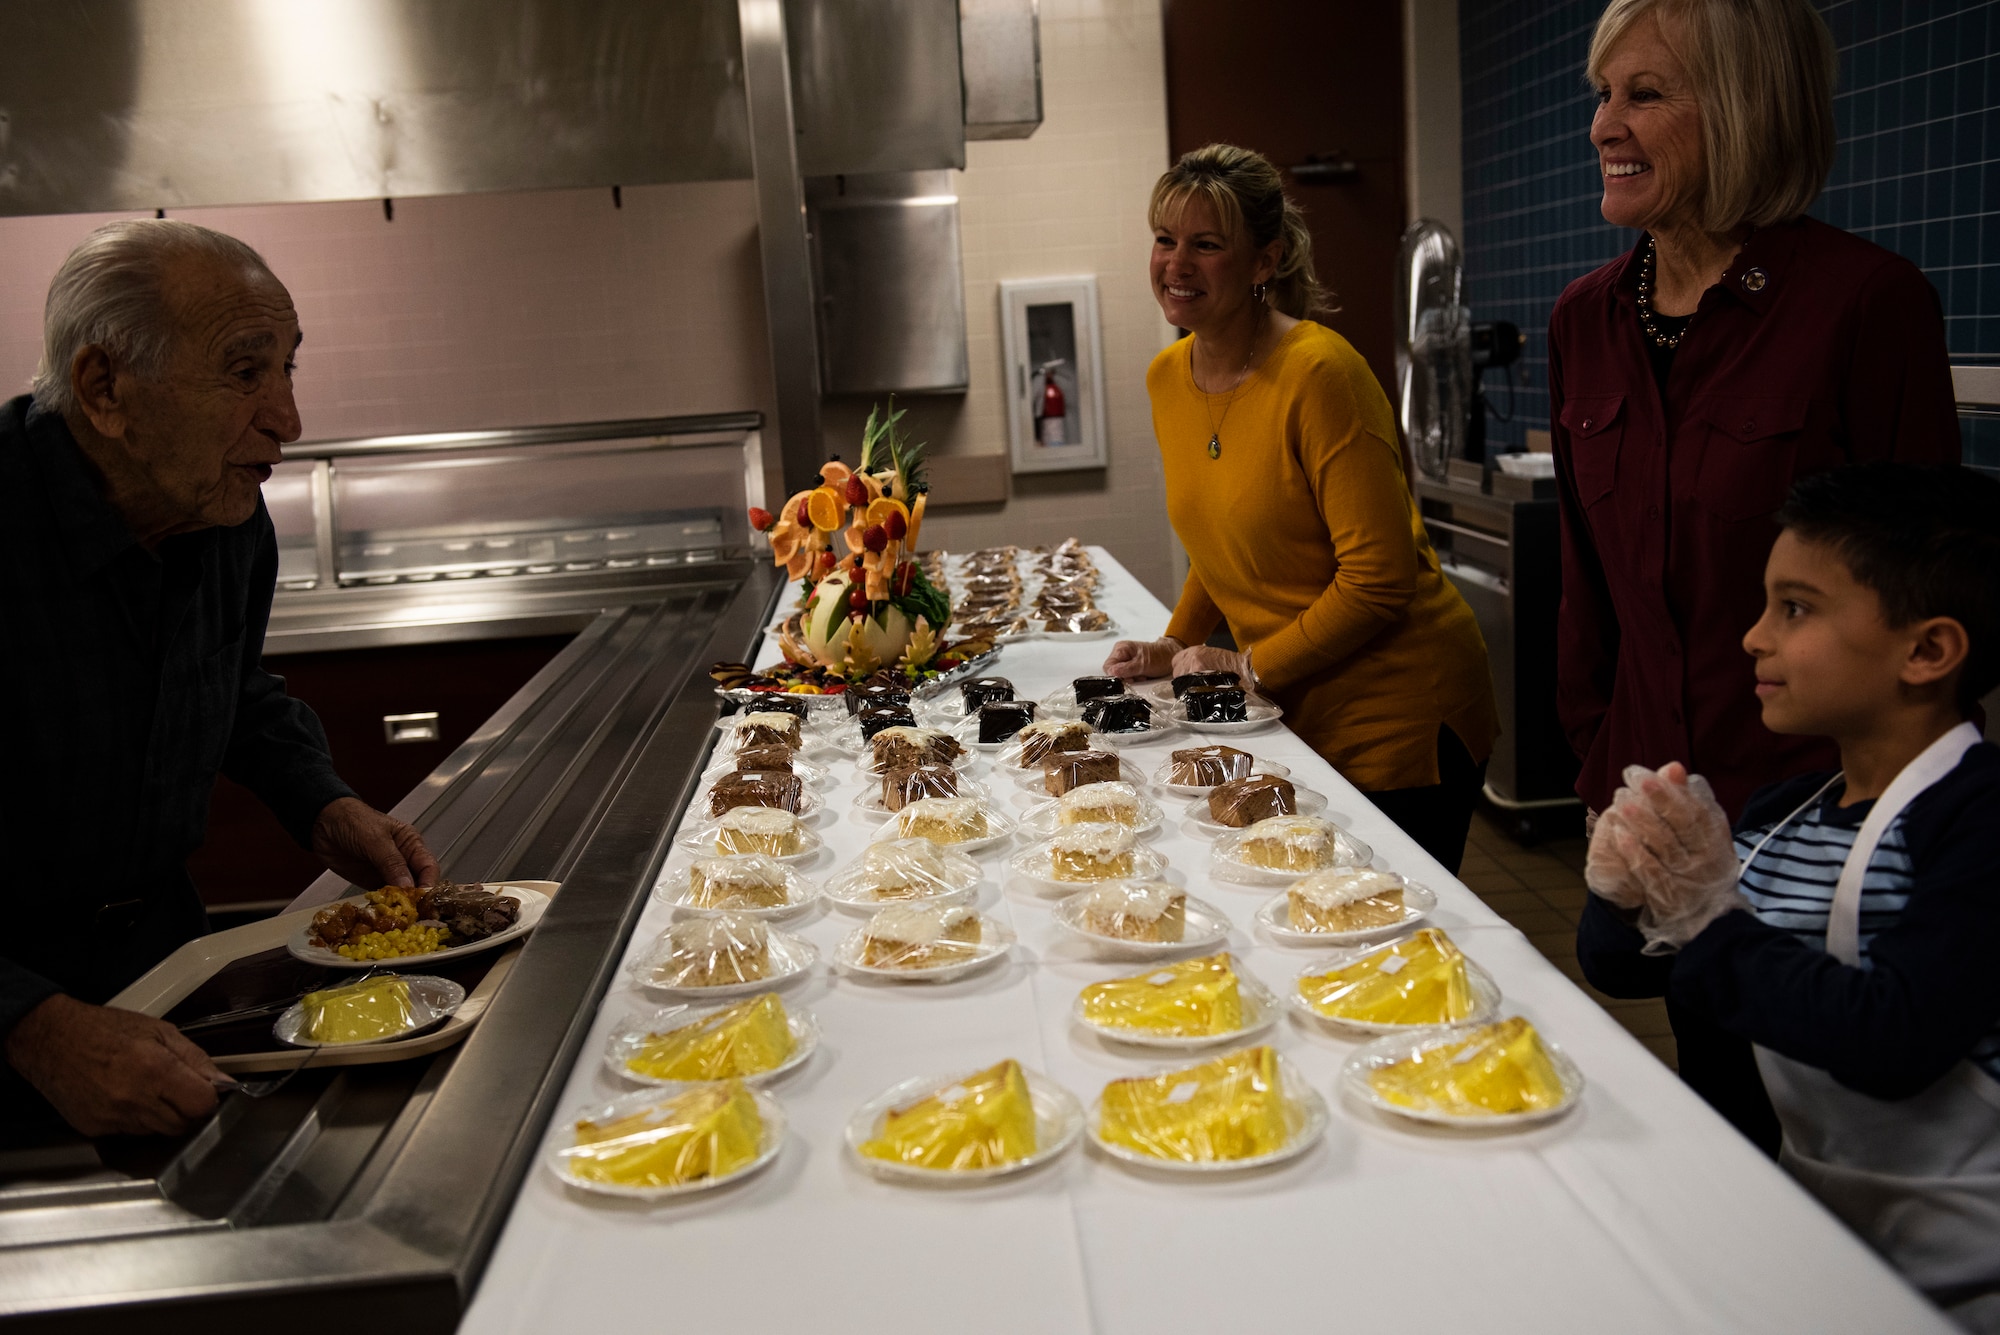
[872, 610]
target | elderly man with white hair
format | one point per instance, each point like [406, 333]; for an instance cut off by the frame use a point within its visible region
[137, 564]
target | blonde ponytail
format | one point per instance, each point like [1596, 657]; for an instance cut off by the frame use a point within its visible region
[1247, 193]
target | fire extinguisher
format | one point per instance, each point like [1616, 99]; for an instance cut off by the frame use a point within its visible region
[1049, 423]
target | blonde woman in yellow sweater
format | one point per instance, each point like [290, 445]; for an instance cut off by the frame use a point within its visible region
[1285, 483]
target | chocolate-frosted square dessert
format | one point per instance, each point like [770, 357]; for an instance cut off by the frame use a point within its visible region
[1206, 766]
[1242, 802]
[1188, 681]
[874, 695]
[1118, 713]
[985, 691]
[1216, 704]
[900, 787]
[888, 716]
[774, 703]
[1096, 688]
[998, 722]
[756, 788]
[1073, 769]
[765, 757]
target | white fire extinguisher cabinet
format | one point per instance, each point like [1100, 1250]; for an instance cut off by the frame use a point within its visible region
[1050, 328]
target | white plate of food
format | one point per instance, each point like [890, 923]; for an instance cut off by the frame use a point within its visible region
[1283, 849]
[810, 803]
[1041, 627]
[1483, 993]
[1309, 803]
[1082, 855]
[1058, 1122]
[1119, 803]
[1258, 713]
[1126, 920]
[669, 1038]
[815, 776]
[902, 871]
[727, 955]
[383, 1009]
[382, 919]
[749, 830]
[923, 943]
[1304, 1112]
[868, 802]
[750, 883]
[1258, 1008]
[634, 1123]
[965, 828]
[1376, 915]
[1164, 776]
[1371, 1073]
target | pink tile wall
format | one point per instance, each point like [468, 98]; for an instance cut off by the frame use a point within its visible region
[482, 310]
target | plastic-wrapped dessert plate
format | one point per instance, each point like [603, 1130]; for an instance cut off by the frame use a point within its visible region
[720, 957]
[868, 802]
[923, 943]
[653, 1121]
[904, 871]
[810, 804]
[1303, 1111]
[815, 776]
[1163, 777]
[1310, 803]
[743, 831]
[382, 1009]
[1281, 850]
[1276, 920]
[1054, 864]
[1479, 1002]
[1081, 804]
[1202, 927]
[754, 884]
[638, 1037]
[1459, 1076]
[1259, 714]
[963, 829]
[1257, 1008]
[1058, 1123]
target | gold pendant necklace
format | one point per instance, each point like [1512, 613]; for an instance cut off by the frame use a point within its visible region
[1214, 426]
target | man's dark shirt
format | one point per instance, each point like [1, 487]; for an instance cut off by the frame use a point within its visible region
[128, 678]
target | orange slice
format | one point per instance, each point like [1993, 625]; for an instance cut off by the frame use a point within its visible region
[825, 507]
[882, 507]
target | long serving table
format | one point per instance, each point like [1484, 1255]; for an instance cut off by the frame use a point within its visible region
[1639, 1211]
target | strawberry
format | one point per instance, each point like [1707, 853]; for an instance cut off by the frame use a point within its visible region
[874, 538]
[857, 490]
[805, 516]
[761, 519]
[896, 526]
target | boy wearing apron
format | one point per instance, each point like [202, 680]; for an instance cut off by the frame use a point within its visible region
[1850, 928]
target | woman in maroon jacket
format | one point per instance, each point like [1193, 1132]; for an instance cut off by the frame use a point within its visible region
[1739, 345]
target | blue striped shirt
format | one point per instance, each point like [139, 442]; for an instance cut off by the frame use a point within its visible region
[1791, 882]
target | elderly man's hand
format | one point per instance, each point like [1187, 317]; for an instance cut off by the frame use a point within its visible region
[370, 847]
[1142, 658]
[112, 1072]
[1207, 658]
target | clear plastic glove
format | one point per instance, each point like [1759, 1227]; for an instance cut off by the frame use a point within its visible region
[1674, 842]
[1605, 868]
[1207, 658]
[1134, 659]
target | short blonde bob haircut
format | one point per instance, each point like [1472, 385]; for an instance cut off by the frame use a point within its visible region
[1762, 72]
[1247, 193]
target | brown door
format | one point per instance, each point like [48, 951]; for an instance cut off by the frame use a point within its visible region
[1298, 78]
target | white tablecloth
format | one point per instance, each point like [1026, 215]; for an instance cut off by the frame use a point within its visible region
[1640, 1211]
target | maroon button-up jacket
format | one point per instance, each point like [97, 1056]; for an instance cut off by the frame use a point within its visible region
[1816, 349]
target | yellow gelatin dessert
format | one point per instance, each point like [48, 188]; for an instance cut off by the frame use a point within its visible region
[706, 1132]
[1420, 979]
[748, 1038]
[983, 1121]
[359, 1012]
[1232, 1107]
[1189, 999]
[1495, 1070]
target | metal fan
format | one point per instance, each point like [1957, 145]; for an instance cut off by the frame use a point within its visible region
[1433, 346]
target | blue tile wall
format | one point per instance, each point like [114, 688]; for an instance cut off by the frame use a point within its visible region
[1918, 113]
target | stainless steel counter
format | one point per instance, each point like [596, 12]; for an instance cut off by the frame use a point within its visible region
[370, 1197]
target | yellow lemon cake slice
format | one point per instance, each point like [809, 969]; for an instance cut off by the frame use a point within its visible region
[1232, 1107]
[748, 1038]
[1187, 999]
[983, 1121]
[1496, 1070]
[706, 1132]
[358, 1012]
[1420, 979]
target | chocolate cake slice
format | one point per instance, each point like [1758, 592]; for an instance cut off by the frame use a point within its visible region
[1096, 688]
[1118, 713]
[1205, 766]
[888, 716]
[765, 757]
[1187, 681]
[1073, 769]
[1242, 802]
[1041, 740]
[874, 695]
[900, 787]
[1216, 704]
[998, 722]
[771, 702]
[985, 691]
[756, 788]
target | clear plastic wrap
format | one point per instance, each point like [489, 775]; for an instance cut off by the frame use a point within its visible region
[764, 728]
[1193, 770]
[754, 1038]
[903, 869]
[1239, 803]
[1280, 850]
[763, 757]
[1666, 847]
[1148, 910]
[1418, 980]
[1234, 1110]
[1348, 899]
[1122, 716]
[1088, 621]
[1081, 854]
[1197, 998]
[780, 790]
[728, 951]
[753, 883]
[369, 1011]
[1043, 738]
[1486, 1075]
[656, 1143]
[963, 822]
[907, 748]
[980, 1121]
[766, 830]
[900, 787]
[1112, 803]
[918, 937]
[1067, 771]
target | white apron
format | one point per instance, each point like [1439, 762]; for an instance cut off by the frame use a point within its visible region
[1919, 1178]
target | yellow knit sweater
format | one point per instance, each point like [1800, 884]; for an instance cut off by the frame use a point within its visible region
[1305, 536]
